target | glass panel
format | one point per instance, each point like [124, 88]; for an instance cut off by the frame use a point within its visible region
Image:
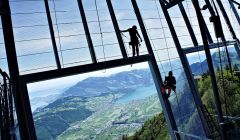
[102, 31]
[126, 18]
[232, 17]
[69, 33]
[32, 37]
[3, 57]
[182, 102]
[110, 104]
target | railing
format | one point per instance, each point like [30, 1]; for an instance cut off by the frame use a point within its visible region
[6, 108]
[187, 136]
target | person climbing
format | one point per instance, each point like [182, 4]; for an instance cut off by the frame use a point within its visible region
[169, 84]
[134, 42]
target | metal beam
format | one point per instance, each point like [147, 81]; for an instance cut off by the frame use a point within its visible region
[52, 74]
[157, 76]
[210, 64]
[213, 14]
[87, 32]
[211, 46]
[2, 133]
[225, 16]
[116, 28]
[236, 45]
[172, 3]
[50, 25]
[185, 64]
[6, 108]
[234, 11]
[27, 108]
[188, 24]
[209, 37]
[22, 114]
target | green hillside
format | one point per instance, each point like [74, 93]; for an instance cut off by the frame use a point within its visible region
[97, 117]
[153, 129]
[229, 88]
[113, 120]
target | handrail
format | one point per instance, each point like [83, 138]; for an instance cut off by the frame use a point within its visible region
[227, 117]
[191, 135]
[4, 74]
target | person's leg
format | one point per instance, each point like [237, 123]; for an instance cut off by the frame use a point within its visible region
[163, 89]
[169, 91]
[133, 49]
[137, 49]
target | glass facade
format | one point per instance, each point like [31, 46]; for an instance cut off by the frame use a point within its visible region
[35, 52]
[182, 103]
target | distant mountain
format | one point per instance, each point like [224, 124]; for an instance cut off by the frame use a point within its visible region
[95, 86]
[40, 102]
[56, 117]
[201, 67]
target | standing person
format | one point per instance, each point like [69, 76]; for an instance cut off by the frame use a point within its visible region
[169, 84]
[134, 42]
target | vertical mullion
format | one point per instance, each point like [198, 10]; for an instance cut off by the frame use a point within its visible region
[87, 32]
[230, 29]
[26, 127]
[188, 24]
[185, 63]
[234, 11]
[157, 76]
[226, 19]
[116, 28]
[208, 35]
[50, 25]
[210, 66]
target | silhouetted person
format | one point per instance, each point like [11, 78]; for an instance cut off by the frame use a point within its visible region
[134, 42]
[169, 84]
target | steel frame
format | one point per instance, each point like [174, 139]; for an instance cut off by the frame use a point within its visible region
[87, 32]
[25, 120]
[6, 108]
[19, 82]
[157, 76]
[116, 28]
[231, 2]
[52, 34]
[210, 65]
[183, 58]
[211, 46]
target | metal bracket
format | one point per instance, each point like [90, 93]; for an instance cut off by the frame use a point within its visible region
[171, 3]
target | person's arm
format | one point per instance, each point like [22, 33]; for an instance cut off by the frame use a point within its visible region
[124, 30]
[139, 36]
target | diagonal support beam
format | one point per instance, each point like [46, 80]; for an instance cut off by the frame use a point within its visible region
[50, 25]
[27, 131]
[188, 24]
[157, 77]
[234, 11]
[87, 32]
[211, 46]
[116, 28]
[210, 65]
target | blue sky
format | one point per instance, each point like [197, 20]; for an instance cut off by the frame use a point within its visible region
[32, 34]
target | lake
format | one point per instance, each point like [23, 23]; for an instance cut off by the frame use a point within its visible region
[138, 94]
